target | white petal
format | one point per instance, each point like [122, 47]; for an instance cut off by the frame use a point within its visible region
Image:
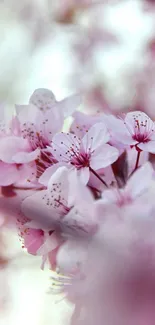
[96, 136]
[140, 181]
[103, 157]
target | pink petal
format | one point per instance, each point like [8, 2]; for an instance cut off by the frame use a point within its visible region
[147, 146]
[33, 240]
[43, 99]
[103, 157]
[27, 175]
[35, 208]
[61, 177]
[45, 177]
[96, 136]
[64, 146]
[28, 114]
[9, 174]
[42, 207]
[82, 123]
[84, 174]
[33, 225]
[49, 244]
[10, 146]
[78, 193]
[140, 181]
[142, 117]
[52, 122]
[119, 130]
[26, 157]
[115, 124]
[69, 105]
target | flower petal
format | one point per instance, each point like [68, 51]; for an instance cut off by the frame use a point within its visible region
[26, 157]
[114, 124]
[64, 146]
[43, 99]
[97, 135]
[28, 114]
[10, 146]
[69, 105]
[140, 181]
[84, 174]
[36, 208]
[142, 119]
[147, 146]
[9, 174]
[52, 123]
[103, 156]
[50, 243]
[82, 123]
[45, 177]
[33, 240]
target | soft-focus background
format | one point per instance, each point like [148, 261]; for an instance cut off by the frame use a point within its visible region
[103, 49]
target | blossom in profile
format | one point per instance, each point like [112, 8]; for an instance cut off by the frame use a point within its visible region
[65, 207]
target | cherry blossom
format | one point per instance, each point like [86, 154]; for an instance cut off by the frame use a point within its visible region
[137, 185]
[29, 133]
[58, 203]
[84, 200]
[45, 100]
[65, 207]
[87, 154]
[137, 130]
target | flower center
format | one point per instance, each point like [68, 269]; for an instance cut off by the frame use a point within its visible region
[44, 161]
[143, 129]
[36, 138]
[81, 160]
[141, 138]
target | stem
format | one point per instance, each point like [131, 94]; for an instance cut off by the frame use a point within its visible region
[137, 160]
[94, 172]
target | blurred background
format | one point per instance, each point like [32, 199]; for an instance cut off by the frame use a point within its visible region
[103, 49]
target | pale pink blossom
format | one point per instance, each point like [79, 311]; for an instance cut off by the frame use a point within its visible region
[49, 205]
[56, 206]
[65, 209]
[28, 134]
[45, 100]
[137, 185]
[136, 130]
[87, 154]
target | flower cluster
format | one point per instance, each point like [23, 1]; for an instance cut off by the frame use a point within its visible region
[83, 200]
